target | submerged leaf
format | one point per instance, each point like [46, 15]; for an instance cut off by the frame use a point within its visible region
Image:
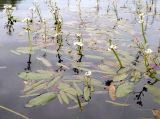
[35, 75]
[42, 99]
[124, 89]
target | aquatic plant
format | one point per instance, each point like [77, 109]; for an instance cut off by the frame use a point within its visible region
[37, 10]
[113, 48]
[141, 21]
[28, 22]
[8, 10]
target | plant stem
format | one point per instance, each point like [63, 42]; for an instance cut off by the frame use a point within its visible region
[30, 42]
[14, 112]
[120, 63]
[143, 31]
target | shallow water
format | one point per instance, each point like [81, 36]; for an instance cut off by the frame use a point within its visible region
[92, 20]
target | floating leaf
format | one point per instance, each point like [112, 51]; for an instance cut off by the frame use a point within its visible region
[155, 92]
[124, 89]
[42, 99]
[72, 97]
[44, 61]
[120, 77]
[60, 99]
[33, 86]
[117, 104]
[79, 91]
[35, 75]
[94, 57]
[106, 69]
[71, 91]
[64, 97]
[54, 81]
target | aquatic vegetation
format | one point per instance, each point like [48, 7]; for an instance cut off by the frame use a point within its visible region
[8, 10]
[28, 22]
[73, 65]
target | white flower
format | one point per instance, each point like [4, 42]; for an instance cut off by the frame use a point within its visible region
[141, 14]
[113, 46]
[78, 43]
[78, 34]
[7, 6]
[148, 51]
[44, 21]
[141, 21]
[26, 20]
[88, 73]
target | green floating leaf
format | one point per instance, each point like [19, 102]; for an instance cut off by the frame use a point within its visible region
[35, 75]
[54, 81]
[79, 91]
[155, 92]
[60, 99]
[28, 88]
[120, 77]
[117, 104]
[94, 57]
[64, 97]
[106, 69]
[44, 61]
[124, 89]
[42, 99]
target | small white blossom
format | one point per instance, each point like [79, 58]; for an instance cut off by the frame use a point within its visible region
[78, 43]
[78, 34]
[141, 14]
[148, 51]
[26, 20]
[88, 73]
[7, 6]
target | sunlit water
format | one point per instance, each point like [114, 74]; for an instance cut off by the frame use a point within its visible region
[92, 20]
